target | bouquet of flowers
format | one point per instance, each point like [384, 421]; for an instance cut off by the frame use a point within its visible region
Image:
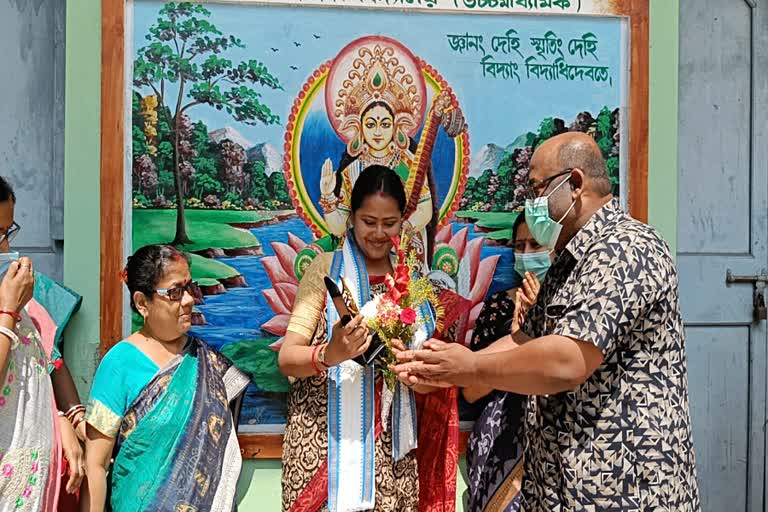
[393, 314]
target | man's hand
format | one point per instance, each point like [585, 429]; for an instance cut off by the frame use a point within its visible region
[439, 364]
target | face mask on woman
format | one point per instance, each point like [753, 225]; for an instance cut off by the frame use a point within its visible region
[536, 262]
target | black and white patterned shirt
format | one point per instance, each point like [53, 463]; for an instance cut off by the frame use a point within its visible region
[622, 440]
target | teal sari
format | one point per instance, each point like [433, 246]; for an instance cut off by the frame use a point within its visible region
[177, 448]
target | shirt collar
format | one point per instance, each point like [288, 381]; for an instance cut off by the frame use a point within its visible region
[582, 241]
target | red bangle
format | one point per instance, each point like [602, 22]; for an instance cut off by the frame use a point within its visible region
[314, 358]
[12, 314]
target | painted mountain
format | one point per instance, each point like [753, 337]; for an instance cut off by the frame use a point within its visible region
[268, 154]
[230, 134]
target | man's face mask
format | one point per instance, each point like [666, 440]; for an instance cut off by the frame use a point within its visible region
[536, 262]
[543, 228]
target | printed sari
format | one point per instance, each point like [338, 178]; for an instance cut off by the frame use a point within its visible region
[317, 473]
[176, 447]
[30, 448]
[495, 448]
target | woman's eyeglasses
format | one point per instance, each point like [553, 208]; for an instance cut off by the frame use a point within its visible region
[177, 292]
[10, 233]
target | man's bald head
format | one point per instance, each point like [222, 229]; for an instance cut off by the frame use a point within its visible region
[577, 150]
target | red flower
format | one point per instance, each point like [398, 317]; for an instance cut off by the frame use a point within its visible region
[408, 316]
[394, 293]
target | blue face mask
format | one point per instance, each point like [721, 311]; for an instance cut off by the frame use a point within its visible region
[536, 262]
[543, 228]
[6, 258]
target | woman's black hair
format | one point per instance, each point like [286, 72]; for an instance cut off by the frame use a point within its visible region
[146, 267]
[6, 191]
[518, 222]
[374, 179]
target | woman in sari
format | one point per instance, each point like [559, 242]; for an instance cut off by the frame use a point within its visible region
[160, 404]
[343, 449]
[494, 449]
[34, 439]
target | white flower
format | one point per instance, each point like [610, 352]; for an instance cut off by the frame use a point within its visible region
[371, 308]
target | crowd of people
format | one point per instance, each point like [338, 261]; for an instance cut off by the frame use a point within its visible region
[578, 375]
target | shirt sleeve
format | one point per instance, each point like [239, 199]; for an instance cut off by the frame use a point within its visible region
[107, 402]
[615, 287]
[310, 299]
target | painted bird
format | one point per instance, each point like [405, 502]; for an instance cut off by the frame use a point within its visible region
[316, 36]
[294, 68]
[297, 44]
[274, 49]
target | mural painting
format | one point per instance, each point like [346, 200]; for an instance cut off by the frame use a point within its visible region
[250, 124]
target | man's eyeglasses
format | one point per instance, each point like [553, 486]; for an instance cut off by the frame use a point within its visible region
[10, 233]
[177, 292]
[538, 189]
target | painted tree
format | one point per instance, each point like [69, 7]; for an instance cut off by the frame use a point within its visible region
[184, 66]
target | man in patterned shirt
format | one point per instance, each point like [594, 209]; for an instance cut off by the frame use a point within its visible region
[607, 424]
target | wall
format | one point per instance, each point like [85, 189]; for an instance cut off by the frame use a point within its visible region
[81, 184]
[259, 487]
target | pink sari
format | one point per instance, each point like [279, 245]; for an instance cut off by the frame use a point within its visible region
[30, 446]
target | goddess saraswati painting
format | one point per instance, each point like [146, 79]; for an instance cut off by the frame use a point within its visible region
[246, 155]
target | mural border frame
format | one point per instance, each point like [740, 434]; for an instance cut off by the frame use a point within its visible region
[114, 20]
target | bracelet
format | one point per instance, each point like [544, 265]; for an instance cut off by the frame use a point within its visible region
[70, 414]
[11, 336]
[328, 203]
[314, 359]
[77, 422]
[60, 414]
[11, 314]
[75, 414]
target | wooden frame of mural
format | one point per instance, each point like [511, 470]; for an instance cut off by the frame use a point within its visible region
[113, 141]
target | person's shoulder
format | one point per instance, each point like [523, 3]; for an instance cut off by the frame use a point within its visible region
[633, 244]
[627, 232]
[120, 351]
[122, 356]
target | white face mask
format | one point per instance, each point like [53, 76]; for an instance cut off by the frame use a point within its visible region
[6, 258]
[543, 228]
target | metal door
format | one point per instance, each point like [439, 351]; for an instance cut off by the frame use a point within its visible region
[722, 226]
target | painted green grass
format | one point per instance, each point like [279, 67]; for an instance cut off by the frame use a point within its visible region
[207, 228]
[491, 220]
[207, 272]
[255, 358]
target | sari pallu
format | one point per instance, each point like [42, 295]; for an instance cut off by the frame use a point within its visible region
[495, 448]
[495, 455]
[177, 446]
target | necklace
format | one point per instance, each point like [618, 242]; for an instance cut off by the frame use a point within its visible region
[388, 160]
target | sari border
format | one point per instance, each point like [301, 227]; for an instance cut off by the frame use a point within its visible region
[235, 382]
[102, 418]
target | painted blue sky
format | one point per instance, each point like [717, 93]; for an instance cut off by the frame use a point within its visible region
[496, 110]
